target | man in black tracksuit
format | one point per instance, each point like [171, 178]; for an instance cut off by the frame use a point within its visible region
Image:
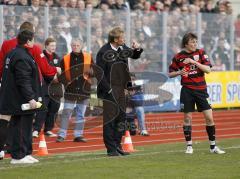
[20, 85]
[113, 59]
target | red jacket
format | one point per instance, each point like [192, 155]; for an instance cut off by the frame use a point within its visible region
[36, 52]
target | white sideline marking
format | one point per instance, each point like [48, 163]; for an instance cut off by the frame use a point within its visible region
[99, 158]
[153, 134]
[145, 141]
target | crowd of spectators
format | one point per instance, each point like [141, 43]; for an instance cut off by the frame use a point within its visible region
[67, 19]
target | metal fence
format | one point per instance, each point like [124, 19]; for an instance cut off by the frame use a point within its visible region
[159, 34]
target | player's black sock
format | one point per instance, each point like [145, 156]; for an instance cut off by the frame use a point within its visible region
[211, 136]
[3, 133]
[187, 130]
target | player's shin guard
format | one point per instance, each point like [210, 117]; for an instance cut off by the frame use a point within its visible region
[3, 132]
[187, 130]
[211, 136]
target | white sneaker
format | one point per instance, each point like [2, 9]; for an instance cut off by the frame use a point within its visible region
[32, 158]
[24, 160]
[216, 150]
[50, 134]
[144, 133]
[189, 150]
[2, 154]
[35, 134]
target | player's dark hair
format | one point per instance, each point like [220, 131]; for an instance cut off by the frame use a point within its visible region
[26, 26]
[24, 36]
[188, 36]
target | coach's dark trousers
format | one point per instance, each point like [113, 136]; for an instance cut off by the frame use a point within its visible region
[114, 117]
[21, 136]
[46, 117]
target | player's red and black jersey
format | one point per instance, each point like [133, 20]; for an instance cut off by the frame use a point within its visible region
[195, 78]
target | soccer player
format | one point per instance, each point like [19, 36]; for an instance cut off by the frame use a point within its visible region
[192, 63]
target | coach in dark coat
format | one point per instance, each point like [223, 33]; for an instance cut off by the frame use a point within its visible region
[113, 59]
[20, 85]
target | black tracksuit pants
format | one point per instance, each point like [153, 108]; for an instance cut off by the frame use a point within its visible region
[21, 128]
[46, 117]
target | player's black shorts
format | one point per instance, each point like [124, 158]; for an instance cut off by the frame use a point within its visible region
[190, 97]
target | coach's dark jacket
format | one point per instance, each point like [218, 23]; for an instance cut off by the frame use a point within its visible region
[115, 66]
[20, 82]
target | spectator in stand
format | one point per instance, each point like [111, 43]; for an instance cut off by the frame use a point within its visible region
[237, 54]
[218, 66]
[237, 26]
[104, 5]
[81, 7]
[50, 3]
[36, 9]
[176, 4]
[157, 7]
[42, 3]
[222, 53]
[146, 7]
[120, 5]
[66, 34]
[22, 3]
[61, 42]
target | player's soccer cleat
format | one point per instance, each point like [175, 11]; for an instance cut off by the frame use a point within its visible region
[216, 150]
[189, 150]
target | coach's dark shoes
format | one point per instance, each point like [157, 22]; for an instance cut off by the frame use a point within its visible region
[113, 154]
[122, 152]
[59, 139]
[79, 139]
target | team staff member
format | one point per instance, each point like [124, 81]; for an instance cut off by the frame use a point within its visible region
[78, 71]
[76, 67]
[45, 69]
[20, 85]
[113, 59]
[191, 63]
[52, 101]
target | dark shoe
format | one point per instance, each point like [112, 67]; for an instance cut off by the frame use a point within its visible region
[113, 154]
[79, 139]
[59, 139]
[50, 134]
[122, 152]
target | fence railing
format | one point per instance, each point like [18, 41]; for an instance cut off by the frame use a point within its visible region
[159, 34]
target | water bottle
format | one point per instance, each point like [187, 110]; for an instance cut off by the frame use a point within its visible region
[26, 106]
